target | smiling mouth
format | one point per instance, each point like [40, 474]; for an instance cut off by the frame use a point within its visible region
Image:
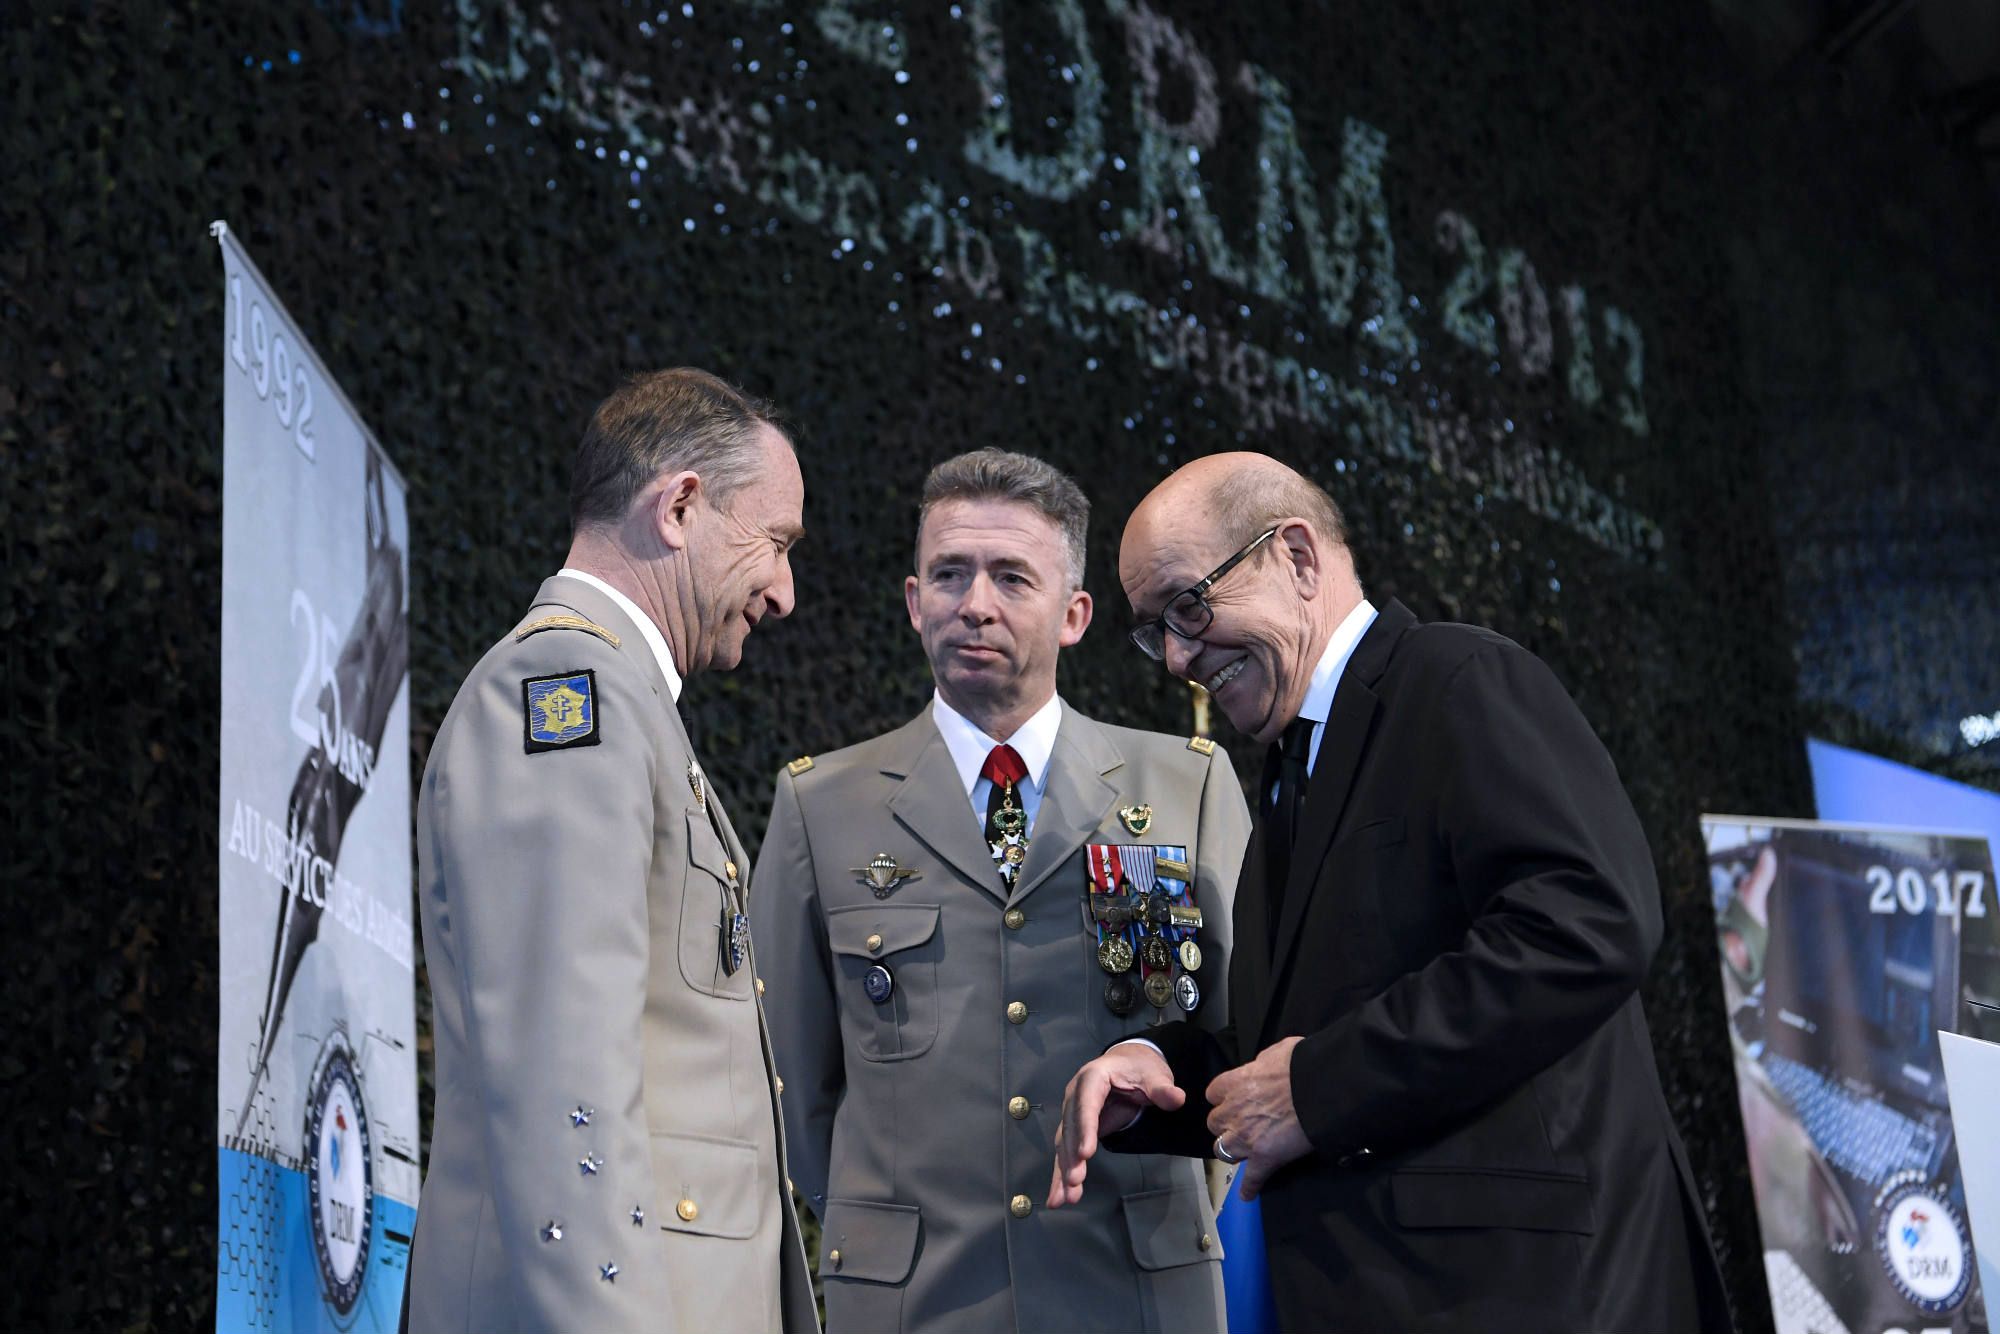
[1226, 675]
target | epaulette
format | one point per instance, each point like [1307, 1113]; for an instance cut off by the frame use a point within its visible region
[1201, 745]
[799, 766]
[565, 623]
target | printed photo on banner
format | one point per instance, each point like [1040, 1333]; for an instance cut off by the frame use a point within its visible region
[317, 1134]
[1843, 950]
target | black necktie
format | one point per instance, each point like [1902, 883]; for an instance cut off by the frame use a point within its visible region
[1285, 771]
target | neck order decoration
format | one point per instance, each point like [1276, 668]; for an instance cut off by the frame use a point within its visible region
[1006, 820]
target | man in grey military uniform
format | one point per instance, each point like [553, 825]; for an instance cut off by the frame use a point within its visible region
[607, 1153]
[953, 914]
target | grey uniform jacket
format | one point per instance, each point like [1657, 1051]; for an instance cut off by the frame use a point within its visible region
[909, 1134]
[605, 1093]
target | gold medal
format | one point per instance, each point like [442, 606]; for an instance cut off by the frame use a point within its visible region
[1015, 854]
[1114, 955]
[1190, 955]
[1156, 953]
[1159, 990]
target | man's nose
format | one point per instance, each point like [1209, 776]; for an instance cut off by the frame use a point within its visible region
[782, 596]
[1179, 654]
[977, 606]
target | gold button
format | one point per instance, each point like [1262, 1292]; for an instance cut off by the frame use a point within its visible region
[833, 1258]
[874, 944]
[730, 868]
[760, 986]
[1019, 1206]
[780, 1079]
[1017, 1012]
[1017, 1107]
[1015, 919]
[687, 1210]
[1205, 1242]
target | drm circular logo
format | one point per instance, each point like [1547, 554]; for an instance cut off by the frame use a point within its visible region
[340, 1175]
[1922, 1243]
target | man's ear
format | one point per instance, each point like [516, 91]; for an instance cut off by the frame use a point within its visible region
[910, 593]
[1301, 549]
[1076, 618]
[670, 508]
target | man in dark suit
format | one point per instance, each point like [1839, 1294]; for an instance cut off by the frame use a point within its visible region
[1438, 1075]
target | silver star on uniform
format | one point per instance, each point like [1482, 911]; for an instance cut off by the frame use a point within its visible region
[638, 1216]
[608, 1271]
[590, 1162]
[581, 1116]
[552, 1231]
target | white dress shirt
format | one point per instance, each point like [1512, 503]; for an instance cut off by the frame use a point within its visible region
[647, 630]
[1034, 741]
[1318, 703]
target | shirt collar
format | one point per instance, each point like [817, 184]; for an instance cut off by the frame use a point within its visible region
[1333, 661]
[647, 630]
[1034, 740]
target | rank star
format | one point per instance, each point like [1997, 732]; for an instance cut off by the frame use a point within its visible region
[581, 1116]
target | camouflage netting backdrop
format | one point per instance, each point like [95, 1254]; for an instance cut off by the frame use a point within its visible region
[1469, 268]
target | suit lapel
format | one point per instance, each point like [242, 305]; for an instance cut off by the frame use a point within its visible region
[1341, 745]
[931, 803]
[1249, 959]
[1075, 799]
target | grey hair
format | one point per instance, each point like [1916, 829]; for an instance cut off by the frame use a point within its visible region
[999, 474]
[1249, 501]
[666, 421]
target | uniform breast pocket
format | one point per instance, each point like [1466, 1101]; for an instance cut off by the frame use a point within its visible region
[708, 917]
[886, 957]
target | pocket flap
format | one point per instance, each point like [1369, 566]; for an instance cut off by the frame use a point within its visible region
[707, 1185]
[1171, 1227]
[900, 926]
[876, 1243]
[705, 849]
[1452, 1197]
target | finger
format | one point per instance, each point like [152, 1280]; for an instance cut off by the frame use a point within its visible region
[1222, 1086]
[1252, 1178]
[1165, 1095]
[1080, 1116]
[1057, 1193]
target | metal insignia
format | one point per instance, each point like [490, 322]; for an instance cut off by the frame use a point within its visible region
[882, 874]
[581, 1116]
[1159, 990]
[1190, 956]
[1137, 819]
[638, 1216]
[589, 1163]
[552, 1231]
[1187, 993]
[700, 788]
[1114, 955]
[735, 940]
[1156, 954]
[608, 1271]
[1120, 996]
[879, 983]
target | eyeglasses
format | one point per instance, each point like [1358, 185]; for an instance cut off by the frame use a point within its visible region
[1187, 613]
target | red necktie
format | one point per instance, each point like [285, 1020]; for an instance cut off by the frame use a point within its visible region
[1006, 819]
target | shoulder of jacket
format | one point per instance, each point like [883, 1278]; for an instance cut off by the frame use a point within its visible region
[1191, 752]
[565, 620]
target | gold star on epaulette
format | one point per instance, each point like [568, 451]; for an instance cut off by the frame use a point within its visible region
[565, 623]
[1201, 745]
[799, 766]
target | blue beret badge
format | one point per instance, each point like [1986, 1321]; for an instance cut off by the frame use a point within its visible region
[561, 711]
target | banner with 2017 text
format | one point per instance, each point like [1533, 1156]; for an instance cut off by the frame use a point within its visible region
[316, 1081]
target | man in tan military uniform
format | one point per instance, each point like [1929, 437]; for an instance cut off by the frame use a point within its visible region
[924, 917]
[607, 1153]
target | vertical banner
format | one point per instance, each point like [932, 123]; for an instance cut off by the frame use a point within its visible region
[316, 1079]
[1841, 949]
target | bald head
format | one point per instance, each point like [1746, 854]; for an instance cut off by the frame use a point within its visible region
[1253, 637]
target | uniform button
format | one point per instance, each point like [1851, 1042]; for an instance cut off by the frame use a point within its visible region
[1015, 919]
[730, 868]
[1205, 1242]
[1020, 1206]
[874, 944]
[780, 1081]
[760, 986]
[1017, 1012]
[833, 1258]
[1018, 1108]
[686, 1209]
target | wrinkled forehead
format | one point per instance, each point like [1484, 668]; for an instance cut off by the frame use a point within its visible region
[1158, 560]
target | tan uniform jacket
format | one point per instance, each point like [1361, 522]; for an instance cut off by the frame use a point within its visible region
[605, 1093]
[908, 1139]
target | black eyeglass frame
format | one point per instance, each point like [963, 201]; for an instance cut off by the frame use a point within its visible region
[1151, 636]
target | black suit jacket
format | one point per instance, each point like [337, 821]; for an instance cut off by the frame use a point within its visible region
[1470, 911]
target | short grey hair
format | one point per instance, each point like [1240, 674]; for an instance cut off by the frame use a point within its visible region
[666, 421]
[999, 474]
[1247, 502]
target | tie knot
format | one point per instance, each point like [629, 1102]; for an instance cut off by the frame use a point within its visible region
[1296, 743]
[1003, 765]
